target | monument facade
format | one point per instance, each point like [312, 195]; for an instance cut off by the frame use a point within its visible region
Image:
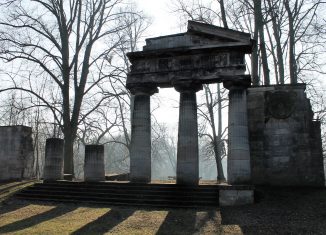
[202, 55]
[285, 140]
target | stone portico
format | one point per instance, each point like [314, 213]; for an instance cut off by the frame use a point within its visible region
[204, 54]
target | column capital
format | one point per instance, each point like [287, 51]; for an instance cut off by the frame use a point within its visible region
[237, 84]
[144, 89]
[187, 86]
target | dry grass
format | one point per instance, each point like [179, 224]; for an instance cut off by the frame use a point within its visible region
[295, 211]
[22, 218]
[8, 189]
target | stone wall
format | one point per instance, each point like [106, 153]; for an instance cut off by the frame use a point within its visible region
[16, 152]
[285, 141]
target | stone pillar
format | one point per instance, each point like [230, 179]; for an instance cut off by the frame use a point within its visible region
[140, 145]
[53, 169]
[187, 155]
[94, 163]
[239, 171]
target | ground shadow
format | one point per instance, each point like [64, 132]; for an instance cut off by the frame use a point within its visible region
[280, 211]
[12, 205]
[37, 219]
[106, 222]
[5, 187]
[179, 222]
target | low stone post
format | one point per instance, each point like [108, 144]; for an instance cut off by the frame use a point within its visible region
[53, 168]
[239, 169]
[140, 145]
[94, 169]
[187, 155]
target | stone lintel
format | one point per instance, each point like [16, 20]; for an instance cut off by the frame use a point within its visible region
[243, 48]
[168, 79]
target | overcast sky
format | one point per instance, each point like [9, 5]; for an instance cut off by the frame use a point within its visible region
[164, 23]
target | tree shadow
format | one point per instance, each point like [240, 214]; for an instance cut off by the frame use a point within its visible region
[179, 222]
[8, 186]
[10, 205]
[37, 219]
[105, 222]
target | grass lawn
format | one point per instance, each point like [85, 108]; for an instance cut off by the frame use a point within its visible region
[279, 211]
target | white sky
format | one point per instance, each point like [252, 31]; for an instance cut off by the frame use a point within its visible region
[164, 22]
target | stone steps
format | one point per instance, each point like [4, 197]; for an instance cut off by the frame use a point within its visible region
[127, 194]
[156, 195]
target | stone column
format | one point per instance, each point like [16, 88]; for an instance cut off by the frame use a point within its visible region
[94, 163]
[239, 169]
[140, 145]
[53, 168]
[187, 155]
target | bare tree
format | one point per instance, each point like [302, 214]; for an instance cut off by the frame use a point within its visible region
[211, 109]
[65, 42]
[215, 102]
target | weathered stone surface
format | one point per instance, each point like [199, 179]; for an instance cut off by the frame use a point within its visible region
[239, 170]
[53, 167]
[140, 146]
[94, 169]
[236, 197]
[187, 155]
[204, 54]
[285, 142]
[16, 152]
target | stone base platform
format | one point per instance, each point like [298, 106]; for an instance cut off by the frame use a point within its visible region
[132, 194]
[236, 195]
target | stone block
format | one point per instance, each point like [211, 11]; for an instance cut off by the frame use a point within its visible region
[280, 162]
[239, 171]
[53, 167]
[94, 169]
[240, 154]
[289, 143]
[234, 197]
[16, 153]
[140, 147]
[239, 142]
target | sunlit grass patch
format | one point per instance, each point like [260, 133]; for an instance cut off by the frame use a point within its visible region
[25, 212]
[74, 219]
[71, 219]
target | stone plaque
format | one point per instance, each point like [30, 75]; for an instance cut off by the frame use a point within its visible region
[280, 104]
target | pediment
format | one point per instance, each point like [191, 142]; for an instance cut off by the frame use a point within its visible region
[200, 35]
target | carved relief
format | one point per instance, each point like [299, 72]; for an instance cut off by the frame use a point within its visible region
[280, 104]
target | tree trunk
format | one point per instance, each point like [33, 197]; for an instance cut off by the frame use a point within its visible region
[223, 14]
[216, 141]
[255, 56]
[292, 61]
[260, 26]
[68, 152]
[277, 37]
[219, 132]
